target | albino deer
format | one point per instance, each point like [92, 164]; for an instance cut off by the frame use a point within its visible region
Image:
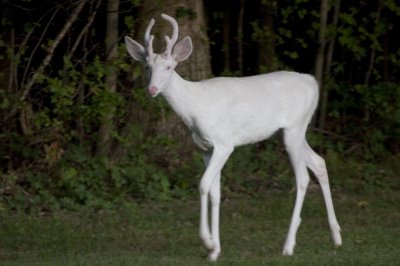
[226, 112]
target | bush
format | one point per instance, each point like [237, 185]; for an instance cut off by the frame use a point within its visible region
[366, 120]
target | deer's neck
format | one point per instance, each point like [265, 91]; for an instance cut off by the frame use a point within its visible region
[183, 96]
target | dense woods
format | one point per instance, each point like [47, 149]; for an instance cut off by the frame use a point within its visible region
[77, 127]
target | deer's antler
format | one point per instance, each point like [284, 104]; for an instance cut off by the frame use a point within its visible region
[148, 39]
[171, 41]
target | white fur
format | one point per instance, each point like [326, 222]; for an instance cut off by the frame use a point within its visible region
[223, 113]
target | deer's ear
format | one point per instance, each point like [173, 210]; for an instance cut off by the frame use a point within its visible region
[182, 49]
[135, 49]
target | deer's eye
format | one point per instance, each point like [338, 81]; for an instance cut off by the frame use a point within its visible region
[168, 67]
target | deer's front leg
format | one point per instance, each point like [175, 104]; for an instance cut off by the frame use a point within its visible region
[205, 233]
[215, 197]
[210, 184]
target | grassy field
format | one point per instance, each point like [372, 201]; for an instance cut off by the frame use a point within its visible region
[252, 233]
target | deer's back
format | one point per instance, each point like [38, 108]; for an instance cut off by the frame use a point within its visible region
[250, 109]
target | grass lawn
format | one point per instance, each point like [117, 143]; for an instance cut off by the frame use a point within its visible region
[253, 231]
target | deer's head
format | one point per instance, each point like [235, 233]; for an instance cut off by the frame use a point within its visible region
[160, 67]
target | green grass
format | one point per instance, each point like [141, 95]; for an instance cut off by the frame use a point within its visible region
[252, 233]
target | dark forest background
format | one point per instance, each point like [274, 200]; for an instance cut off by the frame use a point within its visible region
[77, 127]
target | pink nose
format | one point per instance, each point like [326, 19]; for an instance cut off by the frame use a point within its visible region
[153, 90]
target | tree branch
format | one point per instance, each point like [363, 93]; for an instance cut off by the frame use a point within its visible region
[51, 49]
[85, 29]
[319, 62]
[38, 43]
[373, 49]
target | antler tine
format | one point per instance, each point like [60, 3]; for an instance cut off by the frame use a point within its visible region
[148, 39]
[150, 46]
[171, 41]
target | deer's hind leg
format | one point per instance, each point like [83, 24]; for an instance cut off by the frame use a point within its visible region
[317, 165]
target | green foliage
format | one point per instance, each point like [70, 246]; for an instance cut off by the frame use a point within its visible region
[290, 39]
[354, 176]
[258, 168]
[154, 165]
[181, 12]
[370, 116]
[48, 142]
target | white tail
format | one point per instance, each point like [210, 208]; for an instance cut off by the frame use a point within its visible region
[223, 113]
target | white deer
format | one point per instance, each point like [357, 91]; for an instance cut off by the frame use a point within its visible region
[226, 112]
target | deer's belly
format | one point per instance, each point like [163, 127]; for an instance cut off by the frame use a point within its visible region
[201, 142]
[235, 135]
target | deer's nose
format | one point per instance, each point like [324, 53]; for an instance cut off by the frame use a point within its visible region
[153, 90]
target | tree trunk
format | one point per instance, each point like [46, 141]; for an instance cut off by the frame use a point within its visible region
[332, 40]
[266, 49]
[373, 48]
[81, 41]
[319, 61]
[240, 37]
[111, 47]
[198, 65]
[226, 31]
[327, 70]
[320, 58]
[386, 53]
